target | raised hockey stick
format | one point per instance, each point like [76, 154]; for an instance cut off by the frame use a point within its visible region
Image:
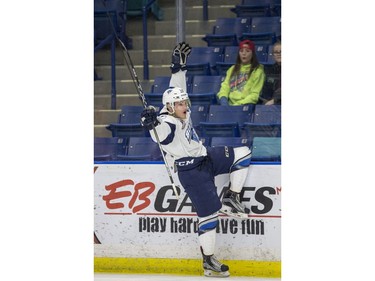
[133, 73]
[141, 95]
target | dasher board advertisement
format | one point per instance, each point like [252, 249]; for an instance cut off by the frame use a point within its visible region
[137, 215]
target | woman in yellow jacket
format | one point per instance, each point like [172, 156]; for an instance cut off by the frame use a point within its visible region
[244, 80]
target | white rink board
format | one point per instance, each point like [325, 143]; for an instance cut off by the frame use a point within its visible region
[137, 215]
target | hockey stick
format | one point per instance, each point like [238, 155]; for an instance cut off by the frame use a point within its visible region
[141, 95]
[133, 73]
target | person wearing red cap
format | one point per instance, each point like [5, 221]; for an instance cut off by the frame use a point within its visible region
[244, 80]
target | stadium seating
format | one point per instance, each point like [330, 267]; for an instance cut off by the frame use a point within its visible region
[261, 38]
[230, 57]
[267, 114]
[226, 121]
[264, 30]
[229, 141]
[275, 5]
[266, 24]
[206, 83]
[199, 114]
[202, 60]
[154, 99]
[227, 30]
[107, 148]
[141, 149]
[160, 84]
[129, 124]
[266, 122]
[204, 88]
[262, 53]
[109, 14]
[135, 8]
[252, 10]
[266, 149]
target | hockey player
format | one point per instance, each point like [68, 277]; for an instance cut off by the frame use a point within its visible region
[197, 165]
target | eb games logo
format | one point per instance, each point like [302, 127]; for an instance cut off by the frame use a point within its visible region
[259, 200]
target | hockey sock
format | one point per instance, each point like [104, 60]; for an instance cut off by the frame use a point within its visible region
[239, 169]
[207, 233]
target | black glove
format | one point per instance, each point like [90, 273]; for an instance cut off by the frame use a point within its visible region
[149, 118]
[179, 57]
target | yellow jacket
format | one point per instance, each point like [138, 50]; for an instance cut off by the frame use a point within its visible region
[241, 89]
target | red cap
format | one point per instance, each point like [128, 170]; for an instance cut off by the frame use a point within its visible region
[250, 45]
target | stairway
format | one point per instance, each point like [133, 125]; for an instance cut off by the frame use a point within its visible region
[161, 40]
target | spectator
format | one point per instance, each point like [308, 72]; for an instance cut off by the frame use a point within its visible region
[271, 93]
[244, 80]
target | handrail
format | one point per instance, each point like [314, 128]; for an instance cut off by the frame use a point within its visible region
[205, 10]
[112, 13]
[145, 37]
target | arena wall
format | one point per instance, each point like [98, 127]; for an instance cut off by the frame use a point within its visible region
[140, 226]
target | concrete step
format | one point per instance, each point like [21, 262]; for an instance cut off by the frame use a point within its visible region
[105, 116]
[196, 12]
[172, 3]
[104, 87]
[160, 48]
[135, 24]
[101, 131]
[197, 27]
[123, 73]
[168, 27]
[103, 102]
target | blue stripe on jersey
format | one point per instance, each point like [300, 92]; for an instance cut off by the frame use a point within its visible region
[170, 137]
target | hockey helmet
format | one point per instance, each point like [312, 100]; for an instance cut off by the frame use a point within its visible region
[175, 94]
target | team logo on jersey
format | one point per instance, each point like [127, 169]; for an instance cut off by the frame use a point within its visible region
[190, 133]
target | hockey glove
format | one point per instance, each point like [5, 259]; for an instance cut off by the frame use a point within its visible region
[179, 57]
[149, 118]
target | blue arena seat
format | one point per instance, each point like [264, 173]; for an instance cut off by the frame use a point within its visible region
[262, 53]
[260, 38]
[107, 148]
[252, 10]
[267, 114]
[206, 83]
[229, 141]
[199, 114]
[202, 60]
[129, 124]
[141, 149]
[227, 30]
[109, 14]
[230, 57]
[207, 98]
[155, 99]
[275, 5]
[266, 149]
[266, 122]
[160, 84]
[266, 24]
[226, 121]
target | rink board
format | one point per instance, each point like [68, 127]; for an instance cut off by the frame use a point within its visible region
[136, 216]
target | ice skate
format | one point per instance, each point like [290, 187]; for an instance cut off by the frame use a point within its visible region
[213, 268]
[231, 206]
